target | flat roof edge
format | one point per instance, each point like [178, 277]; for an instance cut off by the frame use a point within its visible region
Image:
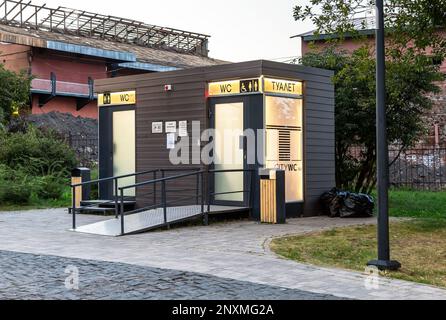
[258, 67]
[321, 37]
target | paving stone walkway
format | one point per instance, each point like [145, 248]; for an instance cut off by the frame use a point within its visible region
[35, 277]
[236, 250]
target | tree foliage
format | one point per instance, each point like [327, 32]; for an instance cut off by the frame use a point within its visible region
[14, 92]
[407, 85]
[410, 24]
[415, 48]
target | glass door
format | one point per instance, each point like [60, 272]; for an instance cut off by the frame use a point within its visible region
[124, 148]
[229, 151]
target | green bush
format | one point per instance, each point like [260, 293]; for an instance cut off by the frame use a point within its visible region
[49, 187]
[35, 166]
[16, 193]
[15, 186]
[37, 153]
[6, 173]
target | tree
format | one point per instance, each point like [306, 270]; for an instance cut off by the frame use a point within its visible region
[14, 92]
[410, 24]
[415, 49]
[407, 87]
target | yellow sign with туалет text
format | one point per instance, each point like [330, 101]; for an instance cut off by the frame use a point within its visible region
[116, 98]
[281, 86]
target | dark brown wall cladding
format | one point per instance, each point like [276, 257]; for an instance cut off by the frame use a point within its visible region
[187, 101]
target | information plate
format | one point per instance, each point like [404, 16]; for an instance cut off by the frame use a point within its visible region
[157, 127]
[171, 127]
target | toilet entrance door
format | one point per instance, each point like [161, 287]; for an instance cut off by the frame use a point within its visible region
[229, 151]
[124, 148]
[117, 140]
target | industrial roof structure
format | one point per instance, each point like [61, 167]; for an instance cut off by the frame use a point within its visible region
[133, 43]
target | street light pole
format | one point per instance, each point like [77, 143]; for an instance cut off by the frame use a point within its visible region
[383, 262]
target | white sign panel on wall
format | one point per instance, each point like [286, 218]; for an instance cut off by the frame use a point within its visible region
[157, 127]
[171, 127]
[182, 129]
[170, 141]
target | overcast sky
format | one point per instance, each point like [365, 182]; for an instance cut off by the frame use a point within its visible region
[240, 30]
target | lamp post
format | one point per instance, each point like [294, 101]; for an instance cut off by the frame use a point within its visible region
[383, 262]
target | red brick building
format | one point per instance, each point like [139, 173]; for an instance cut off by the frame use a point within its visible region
[436, 119]
[65, 50]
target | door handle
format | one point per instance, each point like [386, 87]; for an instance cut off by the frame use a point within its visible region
[243, 146]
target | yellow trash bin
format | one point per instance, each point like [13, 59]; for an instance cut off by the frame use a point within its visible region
[272, 196]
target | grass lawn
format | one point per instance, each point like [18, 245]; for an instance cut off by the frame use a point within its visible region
[419, 244]
[417, 204]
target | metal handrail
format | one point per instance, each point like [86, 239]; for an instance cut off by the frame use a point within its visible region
[200, 174]
[115, 180]
[161, 180]
[181, 176]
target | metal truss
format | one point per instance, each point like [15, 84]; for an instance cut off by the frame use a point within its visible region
[68, 21]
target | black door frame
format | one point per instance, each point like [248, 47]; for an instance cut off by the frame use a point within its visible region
[106, 147]
[251, 120]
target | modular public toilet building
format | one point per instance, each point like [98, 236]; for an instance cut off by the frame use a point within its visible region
[281, 116]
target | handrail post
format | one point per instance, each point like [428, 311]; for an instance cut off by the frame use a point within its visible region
[154, 188]
[208, 198]
[116, 198]
[202, 192]
[73, 206]
[205, 216]
[163, 197]
[197, 189]
[122, 212]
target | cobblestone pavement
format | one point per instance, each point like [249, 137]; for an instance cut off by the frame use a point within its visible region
[36, 277]
[235, 250]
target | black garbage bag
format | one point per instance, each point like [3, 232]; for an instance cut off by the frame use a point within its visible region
[357, 205]
[345, 204]
[331, 202]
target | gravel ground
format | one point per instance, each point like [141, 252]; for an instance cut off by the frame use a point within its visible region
[65, 123]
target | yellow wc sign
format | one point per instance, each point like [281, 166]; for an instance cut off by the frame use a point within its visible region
[116, 98]
[257, 85]
[234, 87]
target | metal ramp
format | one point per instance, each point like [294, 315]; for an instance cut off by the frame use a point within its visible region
[151, 220]
[163, 201]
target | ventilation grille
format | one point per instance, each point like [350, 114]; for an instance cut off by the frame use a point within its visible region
[284, 145]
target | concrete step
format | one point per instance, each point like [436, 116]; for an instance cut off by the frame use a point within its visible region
[97, 210]
[128, 204]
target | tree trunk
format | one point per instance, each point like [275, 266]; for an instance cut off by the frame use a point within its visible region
[366, 170]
